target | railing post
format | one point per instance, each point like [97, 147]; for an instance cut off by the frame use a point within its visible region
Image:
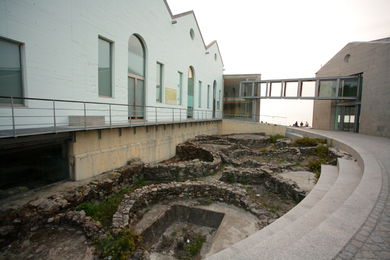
[85, 116]
[54, 116]
[173, 115]
[13, 117]
[180, 114]
[109, 109]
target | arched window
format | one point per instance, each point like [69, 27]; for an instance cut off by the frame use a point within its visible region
[136, 77]
[136, 56]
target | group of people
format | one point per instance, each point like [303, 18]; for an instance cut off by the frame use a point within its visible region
[301, 124]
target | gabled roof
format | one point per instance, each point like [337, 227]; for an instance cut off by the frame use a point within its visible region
[191, 12]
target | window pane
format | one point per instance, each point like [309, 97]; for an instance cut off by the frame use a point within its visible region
[276, 89]
[139, 98]
[200, 95]
[180, 88]
[348, 88]
[10, 71]
[136, 57]
[104, 68]
[263, 89]
[159, 82]
[308, 88]
[246, 89]
[328, 88]
[291, 89]
[208, 96]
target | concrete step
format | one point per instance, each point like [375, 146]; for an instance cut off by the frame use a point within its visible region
[271, 247]
[328, 238]
[328, 177]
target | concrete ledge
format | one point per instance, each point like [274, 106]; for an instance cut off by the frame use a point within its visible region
[322, 234]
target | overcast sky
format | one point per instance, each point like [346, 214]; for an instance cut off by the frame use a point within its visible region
[285, 38]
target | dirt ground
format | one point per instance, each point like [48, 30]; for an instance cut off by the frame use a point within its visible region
[52, 243]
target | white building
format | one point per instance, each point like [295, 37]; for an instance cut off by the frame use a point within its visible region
[121, 52]
[88, 85]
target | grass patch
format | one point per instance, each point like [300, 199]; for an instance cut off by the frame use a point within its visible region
[118, 246]
[274, 138]
[307, 141]
[322, 151]
[315, 167]
[194, 247]
[104, 210]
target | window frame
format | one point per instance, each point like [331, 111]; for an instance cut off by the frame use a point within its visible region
[21, 47]
[111, 45]
[208, 96]
[160, 67]
[199, 94]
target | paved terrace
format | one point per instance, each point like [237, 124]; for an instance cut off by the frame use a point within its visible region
[346, 215]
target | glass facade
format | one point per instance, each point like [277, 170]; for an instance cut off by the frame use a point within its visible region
[348, 88]
[308, 89]
[276, 89]
[104, 70]
[291, 89]
[327, 88]
[10, 72]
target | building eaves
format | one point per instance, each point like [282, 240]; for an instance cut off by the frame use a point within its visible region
[176, 16]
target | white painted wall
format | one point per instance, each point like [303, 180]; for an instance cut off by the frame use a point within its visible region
[60, 53]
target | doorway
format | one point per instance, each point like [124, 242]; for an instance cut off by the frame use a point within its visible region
[347, 118]
[136, 78]
[190, 92]
[136, 94]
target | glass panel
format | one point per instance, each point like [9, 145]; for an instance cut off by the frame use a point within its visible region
[139, 98]
[308, 89]
[291, 89]
[276, 88]
[348, 88]
[104, 68]
[180, 88]
[159, 82]
[136, 58]
[131, 96]
[328, 88]
[219, 100]
[10, 72]
[246, 89]
[208, 96]
[200, 94]
[263, 89]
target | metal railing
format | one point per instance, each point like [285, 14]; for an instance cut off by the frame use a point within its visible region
[31, 116]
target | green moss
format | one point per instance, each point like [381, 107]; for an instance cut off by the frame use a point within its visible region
[322, 151]
[307, 141]
[194, 247]
[104, 210]
[274, 138]
[118, 246]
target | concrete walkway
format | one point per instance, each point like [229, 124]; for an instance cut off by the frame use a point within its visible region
[358, 228]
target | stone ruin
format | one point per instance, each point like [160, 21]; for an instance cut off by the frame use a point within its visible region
[232, 160]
